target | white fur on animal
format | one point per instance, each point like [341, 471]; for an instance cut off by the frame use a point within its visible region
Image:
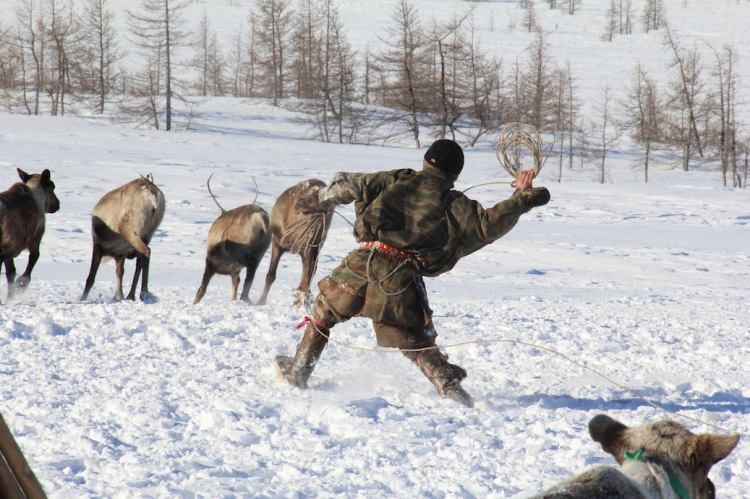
[670, 453]
[123, 222]
[237, 239]
[298, 233]
[22, 223]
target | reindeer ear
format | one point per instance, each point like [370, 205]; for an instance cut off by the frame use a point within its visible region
[710, 449]
[24, 176]
[609, 433]
[45, 176]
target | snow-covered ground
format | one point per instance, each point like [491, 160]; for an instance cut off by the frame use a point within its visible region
[646, 283]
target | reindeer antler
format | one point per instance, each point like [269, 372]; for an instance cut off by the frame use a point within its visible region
[208, 185]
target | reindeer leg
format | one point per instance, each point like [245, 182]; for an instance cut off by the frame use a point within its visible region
[145, 295]
[136, 275]
[96, 259]
[23, 281]
[235, 284]
[119, 272]
[207, 275]
[10, 274]
[142, 261]
[309, 266]
[276, 252]
[252, 266]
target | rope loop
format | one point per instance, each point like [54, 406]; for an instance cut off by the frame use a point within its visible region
[513, 138]
[368, 276]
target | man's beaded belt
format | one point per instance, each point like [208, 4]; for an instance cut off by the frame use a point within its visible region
[384, 248]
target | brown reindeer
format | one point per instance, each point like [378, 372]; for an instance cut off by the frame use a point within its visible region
[123, 222]
[658, 460]
[22, 222]
[237, 239]
[299, 233]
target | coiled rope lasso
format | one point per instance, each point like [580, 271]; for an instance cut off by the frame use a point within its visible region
[513, 139]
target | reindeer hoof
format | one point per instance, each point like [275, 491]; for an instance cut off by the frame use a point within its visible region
[22, 283]
[302, 299]
[147, 297]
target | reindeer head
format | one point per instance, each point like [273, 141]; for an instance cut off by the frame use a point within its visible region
[43, 188]
[669, 443]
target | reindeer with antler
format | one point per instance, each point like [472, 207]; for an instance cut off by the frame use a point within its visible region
[237, 239]
[297, 233]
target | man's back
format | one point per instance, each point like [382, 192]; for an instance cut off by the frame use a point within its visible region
[406, 210]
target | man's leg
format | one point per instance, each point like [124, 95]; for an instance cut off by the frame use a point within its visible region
[418, 345]
[332, 306]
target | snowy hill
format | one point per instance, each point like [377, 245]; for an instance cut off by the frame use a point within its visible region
[645, 283]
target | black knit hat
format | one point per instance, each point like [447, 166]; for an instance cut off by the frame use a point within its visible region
[446, 155]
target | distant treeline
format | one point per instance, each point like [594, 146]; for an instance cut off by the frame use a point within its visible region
[423, 81]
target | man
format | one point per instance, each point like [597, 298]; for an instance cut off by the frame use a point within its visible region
[409, 224]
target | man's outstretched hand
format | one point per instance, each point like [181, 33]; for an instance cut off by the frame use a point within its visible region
[528, 195]
[524, 180]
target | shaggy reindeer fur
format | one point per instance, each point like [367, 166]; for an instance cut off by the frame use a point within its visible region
[238, 239]
[668, 448]
[22, 223]
[122, 225]
[298, 233]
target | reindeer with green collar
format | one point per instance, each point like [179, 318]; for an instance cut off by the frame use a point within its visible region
[661, 460]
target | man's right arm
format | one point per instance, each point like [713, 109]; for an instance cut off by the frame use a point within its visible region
[480, 226]
[346, 188]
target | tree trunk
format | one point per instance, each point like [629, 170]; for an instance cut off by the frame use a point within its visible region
[168, 55]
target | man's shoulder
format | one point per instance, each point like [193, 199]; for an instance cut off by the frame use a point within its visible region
[461, 205]
[454, 196]
[402, 172]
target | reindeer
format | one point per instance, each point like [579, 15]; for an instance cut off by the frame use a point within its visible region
[237, 239]
[659, 460]
[299, 233]
[22, 223]
[123, 222]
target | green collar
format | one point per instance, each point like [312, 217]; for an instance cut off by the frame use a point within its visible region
[678, 488]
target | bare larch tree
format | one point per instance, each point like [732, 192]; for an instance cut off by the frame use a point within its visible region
[407, 61]
[641, 111]
[99, 24]
[273, 23]
[158, 28]
[687, 86]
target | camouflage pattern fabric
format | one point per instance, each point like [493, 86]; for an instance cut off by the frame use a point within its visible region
[398, 299]
[417, 212]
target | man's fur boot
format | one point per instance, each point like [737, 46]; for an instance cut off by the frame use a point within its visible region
[445, 376]
[297, 370]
